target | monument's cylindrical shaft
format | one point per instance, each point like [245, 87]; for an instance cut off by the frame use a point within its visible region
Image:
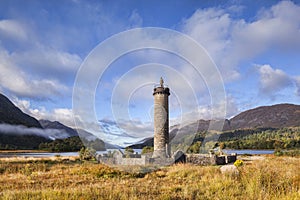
[161, 121]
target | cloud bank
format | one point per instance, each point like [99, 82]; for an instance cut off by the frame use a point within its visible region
[23, 130]
[231, 41]
[272, 80]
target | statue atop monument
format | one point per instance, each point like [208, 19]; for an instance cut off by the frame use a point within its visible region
[161, 82]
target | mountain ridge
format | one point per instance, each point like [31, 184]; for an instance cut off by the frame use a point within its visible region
[19, 130]
[47, 124]
[11, 114]
[273, 116]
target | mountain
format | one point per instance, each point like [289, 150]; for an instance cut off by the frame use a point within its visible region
[21, 131]
[275, 116]
[12, 121]
[266, 117]
[12, 142]
[143, 143]
[88, 137]
[46, 124]
[10, 114]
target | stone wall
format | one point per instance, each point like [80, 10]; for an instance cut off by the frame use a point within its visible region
[200, 159]
[119, 158]
[204, 159]
[132, 161]
[231, 158]
[220, 160]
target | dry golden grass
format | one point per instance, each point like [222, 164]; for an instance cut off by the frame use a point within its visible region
[271, 178]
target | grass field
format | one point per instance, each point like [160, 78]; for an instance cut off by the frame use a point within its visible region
[270, 178]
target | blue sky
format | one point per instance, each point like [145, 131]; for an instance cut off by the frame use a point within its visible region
[254, 44]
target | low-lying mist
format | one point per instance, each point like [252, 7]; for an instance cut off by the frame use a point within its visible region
[23, 130]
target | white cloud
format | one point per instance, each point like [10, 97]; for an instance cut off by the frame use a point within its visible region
[276, 28]
[14, 79]
[297, 82]
[28, 67]
[47, 60]
[230, 41]
[17, 65]
[208, 112]
[136, 128]
[24, 105]
[63, 115]
[23, 130]
[12, 29]
[135, 19]
[136, 86]
[212, 28]
[272, 80]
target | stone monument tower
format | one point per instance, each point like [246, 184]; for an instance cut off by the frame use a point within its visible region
[161, 121]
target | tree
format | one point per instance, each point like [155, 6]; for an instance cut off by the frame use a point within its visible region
[195, 148]
[222, 145]
[129, 150]
[147, 149]
[87, 154]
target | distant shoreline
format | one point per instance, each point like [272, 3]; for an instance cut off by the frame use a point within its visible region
[24, 151]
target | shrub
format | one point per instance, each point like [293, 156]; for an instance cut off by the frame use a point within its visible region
[195, 148]
[238, 163]
[87, 154]
[278, 152]
[292, 152]
[147, 149]
[129, 150]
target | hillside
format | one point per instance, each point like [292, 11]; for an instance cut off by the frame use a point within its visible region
[12, 120]
[46, 124]
[265, 117]
[21, 131]
[276, 116]
[13, 142]
[10, 114]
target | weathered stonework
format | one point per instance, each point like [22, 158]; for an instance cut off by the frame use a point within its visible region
[119, 158]
[161, 121]
[201, 159]
[206, 159]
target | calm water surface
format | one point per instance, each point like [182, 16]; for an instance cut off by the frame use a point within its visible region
[46, 154]
[248, 151]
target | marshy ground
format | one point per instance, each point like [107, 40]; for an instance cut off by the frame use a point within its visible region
[68, 178]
